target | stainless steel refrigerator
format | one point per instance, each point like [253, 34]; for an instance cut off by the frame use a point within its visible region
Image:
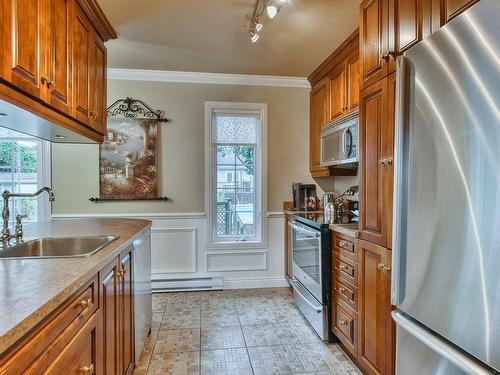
[446, 245]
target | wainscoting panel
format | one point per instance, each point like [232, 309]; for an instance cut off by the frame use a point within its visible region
[237, 260]
[175, 250]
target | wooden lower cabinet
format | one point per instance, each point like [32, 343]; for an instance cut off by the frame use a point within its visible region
[92, 333]
[376, 338]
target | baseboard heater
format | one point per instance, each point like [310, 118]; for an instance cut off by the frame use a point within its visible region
[187, 284]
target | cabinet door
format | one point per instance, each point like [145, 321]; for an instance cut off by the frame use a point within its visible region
[407, 24]
[376, 344]
[373, 112]
[319, 116]
[59, 55]
[82, 54]
[80, 355]
[352, 73]
[98, 84]
[337, 91]
[110, 314]
[374, 41]
[126, 338]
[24, 40]
[453, 8]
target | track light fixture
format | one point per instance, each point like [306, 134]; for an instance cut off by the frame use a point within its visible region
[269, 7]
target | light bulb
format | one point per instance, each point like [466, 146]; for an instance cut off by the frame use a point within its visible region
[272, 10]
[258, 26]
[254, 37]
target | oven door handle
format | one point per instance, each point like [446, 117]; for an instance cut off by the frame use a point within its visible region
[296, 289]
[293, 224]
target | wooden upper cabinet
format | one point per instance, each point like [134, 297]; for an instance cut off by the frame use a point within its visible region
[337, 91]
[59, 55]
[453, 8]
[376, 135]
[408, 24]
[376, 328]
[375, 48]
[83, 37]
[98, 84]
[319, 116]
[23, 29]
[352, 88]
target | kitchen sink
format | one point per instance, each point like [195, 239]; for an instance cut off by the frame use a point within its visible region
[57, 247]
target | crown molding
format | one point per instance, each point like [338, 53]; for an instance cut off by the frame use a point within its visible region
[207, 78]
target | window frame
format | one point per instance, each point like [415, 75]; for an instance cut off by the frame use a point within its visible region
[260, 179]
[44, 175]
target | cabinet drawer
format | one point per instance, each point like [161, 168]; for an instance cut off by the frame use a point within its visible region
[344, 246]
[346, 268]
[79, 356]
[346, 292]
[345, 325]
[37, 352]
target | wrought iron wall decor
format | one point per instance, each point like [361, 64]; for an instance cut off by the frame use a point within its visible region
[128, 157]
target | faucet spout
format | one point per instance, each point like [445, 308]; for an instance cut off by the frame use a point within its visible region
[5, 212]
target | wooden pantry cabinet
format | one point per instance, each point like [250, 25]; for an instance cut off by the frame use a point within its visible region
[53, 61]
[335, 93]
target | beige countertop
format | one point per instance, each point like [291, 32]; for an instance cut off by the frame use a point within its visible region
[350, 229]
[30, 289]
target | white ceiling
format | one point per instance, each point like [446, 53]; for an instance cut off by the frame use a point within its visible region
[212, 35]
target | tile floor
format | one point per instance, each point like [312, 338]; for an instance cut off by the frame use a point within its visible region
[251, 331]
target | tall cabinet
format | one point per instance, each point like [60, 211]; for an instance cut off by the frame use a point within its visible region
[388, 28]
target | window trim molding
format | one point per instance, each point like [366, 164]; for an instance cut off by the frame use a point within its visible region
[44, 179]
[210, 109]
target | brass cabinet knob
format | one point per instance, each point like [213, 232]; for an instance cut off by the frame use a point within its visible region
[382, 267]
[343, 322]
[51, 84]
[85, 303]
[387, 55]
[43, 80]
[87, 369]
[342, 290]
[385, 162]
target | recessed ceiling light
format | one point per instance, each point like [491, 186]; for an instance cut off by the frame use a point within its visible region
[60, 136]
[3, 114]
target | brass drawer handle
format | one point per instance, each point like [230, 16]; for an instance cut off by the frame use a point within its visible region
[121, 272]
[87, 369]
[382, 267]
[344, 245]
[342, 290]
[385, 162]
[343, 322]
[86, 303]
[343, 267]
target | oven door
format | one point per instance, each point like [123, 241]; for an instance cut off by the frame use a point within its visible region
[306, 255]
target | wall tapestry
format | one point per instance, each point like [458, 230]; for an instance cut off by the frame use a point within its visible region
[128, 157]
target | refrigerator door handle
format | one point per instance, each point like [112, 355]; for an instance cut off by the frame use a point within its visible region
[402, 108]
[440, 346]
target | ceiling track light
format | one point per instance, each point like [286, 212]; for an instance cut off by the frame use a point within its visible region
[269, 7]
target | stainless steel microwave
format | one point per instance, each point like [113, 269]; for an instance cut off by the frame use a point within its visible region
[339, 142]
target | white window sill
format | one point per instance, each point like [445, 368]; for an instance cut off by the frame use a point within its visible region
[235, 245]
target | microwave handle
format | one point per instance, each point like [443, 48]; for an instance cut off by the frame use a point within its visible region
[344, 143]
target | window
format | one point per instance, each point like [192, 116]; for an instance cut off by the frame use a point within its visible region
[236, 173]
[23, 170]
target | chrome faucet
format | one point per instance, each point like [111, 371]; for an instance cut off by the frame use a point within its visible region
[6, 213]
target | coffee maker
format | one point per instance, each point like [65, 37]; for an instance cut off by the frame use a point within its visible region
[304, 197]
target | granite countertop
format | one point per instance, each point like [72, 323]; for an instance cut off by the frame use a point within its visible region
[30, 289]
[350, 229]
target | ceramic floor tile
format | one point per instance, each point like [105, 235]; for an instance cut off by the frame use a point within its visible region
[219, 318]
[300, 332]
[222, 338]
[225, 361]
[264, 335]
[178, 340]
[278, 359]
[187, 363]
[183, 320]
[254, 316]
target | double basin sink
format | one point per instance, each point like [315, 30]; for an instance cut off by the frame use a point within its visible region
[57, 247]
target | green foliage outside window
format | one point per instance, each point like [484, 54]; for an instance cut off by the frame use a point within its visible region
[27, 152]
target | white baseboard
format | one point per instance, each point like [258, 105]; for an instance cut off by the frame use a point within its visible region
[255, 283]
